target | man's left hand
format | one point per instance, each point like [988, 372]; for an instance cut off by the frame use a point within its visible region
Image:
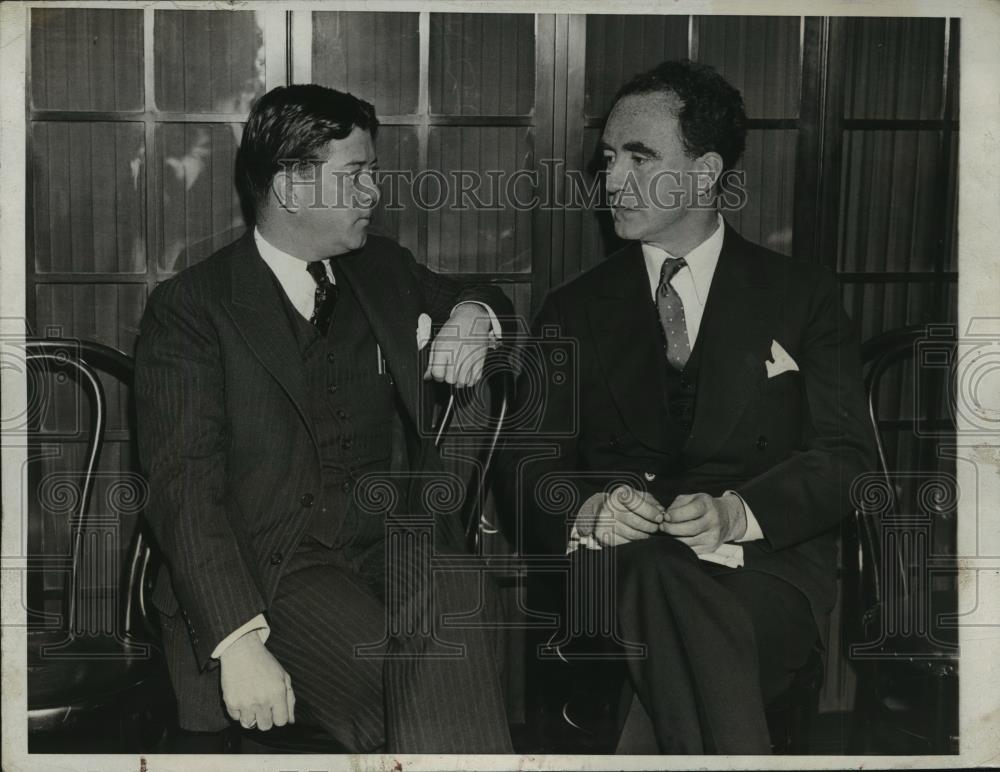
[458, 352]
[705, 523]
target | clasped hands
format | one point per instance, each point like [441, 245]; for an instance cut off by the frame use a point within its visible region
[458, 351]
[700, 521]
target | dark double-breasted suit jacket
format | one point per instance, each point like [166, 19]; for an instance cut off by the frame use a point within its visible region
[790, 445]
[224, 435]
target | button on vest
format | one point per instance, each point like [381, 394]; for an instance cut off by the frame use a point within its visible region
[351, 407]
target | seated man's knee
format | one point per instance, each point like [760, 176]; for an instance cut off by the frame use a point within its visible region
[651, 556]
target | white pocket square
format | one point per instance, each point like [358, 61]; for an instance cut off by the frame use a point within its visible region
[780, 361]
[423, 331]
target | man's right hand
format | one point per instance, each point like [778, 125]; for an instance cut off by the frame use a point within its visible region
[621, 516]
[255, 688]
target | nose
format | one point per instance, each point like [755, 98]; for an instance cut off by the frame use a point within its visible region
[614, 178]
[368, 190]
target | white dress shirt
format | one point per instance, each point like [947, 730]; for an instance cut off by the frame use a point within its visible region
[291, 273]
[300, 287]
[692, 283]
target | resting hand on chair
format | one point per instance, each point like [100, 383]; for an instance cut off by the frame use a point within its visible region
[458, 352]
[256, 689]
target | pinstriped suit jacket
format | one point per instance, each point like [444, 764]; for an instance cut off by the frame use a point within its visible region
[231, 458]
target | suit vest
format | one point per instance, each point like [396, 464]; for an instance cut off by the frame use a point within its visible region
[682, 389]
[351, 403]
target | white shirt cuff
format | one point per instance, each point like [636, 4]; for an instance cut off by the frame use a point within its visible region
[576, 541]
[494, 322]
[727, 555]
[258, 624]
[753, 532]
[590, 506]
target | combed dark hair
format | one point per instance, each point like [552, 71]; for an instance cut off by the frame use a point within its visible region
[293, 123]
[711, 117]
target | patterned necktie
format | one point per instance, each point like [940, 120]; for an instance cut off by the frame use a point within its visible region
[325, 298]
[671, 312]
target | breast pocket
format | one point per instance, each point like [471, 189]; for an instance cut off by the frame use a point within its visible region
[789, 377]
[779, 409]
[780, 388]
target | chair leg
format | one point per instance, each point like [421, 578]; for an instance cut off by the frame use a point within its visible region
[863, 716]
[780, 728]
[944, 716]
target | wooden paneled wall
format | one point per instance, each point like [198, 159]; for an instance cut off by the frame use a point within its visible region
[125, 181]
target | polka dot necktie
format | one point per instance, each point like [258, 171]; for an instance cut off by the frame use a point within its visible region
[671, 312]
[325, 298]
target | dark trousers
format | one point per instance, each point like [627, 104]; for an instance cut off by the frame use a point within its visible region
[706, 647]
[374, 658]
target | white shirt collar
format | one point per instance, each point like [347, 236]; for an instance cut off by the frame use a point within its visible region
[291, 274]
[701, 261]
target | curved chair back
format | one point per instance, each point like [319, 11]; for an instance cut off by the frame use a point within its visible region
[83, 360]
[488, 402]
[874, 570]
[64, 357]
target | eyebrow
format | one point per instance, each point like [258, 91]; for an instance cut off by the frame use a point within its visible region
[640, 147]
[360, 163]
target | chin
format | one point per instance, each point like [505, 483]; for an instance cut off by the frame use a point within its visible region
[352, 244]
[623, 231]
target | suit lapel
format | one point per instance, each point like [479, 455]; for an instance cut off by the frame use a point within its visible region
[735, 341]
[257, 310]
[625, 331]
[391, 310]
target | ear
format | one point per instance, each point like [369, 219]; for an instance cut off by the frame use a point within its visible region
[709, 168]
[283, 190]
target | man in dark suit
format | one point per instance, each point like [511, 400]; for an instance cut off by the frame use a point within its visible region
[280, 409]
[708, 422]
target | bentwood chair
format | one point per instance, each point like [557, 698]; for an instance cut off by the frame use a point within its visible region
[900, 610]
[468, 434]
[96, 680]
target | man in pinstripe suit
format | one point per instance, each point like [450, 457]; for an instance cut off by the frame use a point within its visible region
[279, 401]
